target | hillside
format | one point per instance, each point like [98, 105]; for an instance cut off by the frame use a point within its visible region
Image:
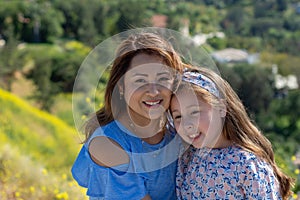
[36, 153]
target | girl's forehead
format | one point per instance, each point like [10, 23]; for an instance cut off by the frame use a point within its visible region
[189, 96]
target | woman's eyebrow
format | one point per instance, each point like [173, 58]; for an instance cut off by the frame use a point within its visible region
[163, 73]
[139, 74]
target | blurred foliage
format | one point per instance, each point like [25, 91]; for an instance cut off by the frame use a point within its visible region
[36, 153]
[55, 70]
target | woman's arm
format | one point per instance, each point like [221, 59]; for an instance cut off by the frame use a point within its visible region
[147, 197]
[106, 152]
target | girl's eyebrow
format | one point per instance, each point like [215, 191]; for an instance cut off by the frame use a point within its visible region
[175, 110]
[189, 107]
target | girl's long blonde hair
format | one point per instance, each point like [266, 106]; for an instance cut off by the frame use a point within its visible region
[239, 128]
[145, 42]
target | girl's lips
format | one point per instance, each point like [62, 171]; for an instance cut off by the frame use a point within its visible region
[195, 136]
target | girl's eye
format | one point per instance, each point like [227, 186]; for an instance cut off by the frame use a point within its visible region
[195, 112]
[177, 117]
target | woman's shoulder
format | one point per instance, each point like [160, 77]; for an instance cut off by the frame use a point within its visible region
[107, 147]
[111, 130]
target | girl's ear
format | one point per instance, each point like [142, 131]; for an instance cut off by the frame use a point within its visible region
[223, 109]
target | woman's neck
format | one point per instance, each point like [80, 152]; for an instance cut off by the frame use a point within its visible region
[149, 130]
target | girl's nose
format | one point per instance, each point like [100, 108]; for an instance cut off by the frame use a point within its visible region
[188, 127]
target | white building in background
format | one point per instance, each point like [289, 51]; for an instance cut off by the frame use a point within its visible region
[2, 43]
[231, 55]
[289, 82]
[201, 38]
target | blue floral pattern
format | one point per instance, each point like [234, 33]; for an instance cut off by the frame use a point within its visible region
[227, 173]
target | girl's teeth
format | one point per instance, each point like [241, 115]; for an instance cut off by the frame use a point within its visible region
[193, 136]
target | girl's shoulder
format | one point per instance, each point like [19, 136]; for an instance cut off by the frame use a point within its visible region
[248, 161]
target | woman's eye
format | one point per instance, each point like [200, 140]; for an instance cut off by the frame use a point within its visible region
[163, 79]
[140, 81]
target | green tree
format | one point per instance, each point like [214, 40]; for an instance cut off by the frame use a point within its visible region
[133, 14]
[11, 59]
[55, 70]
[236, 21]
[38, 21]
[256, 88]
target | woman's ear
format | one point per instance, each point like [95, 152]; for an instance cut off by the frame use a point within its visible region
[121, 90]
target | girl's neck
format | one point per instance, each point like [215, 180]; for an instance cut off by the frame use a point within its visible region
[221, 143]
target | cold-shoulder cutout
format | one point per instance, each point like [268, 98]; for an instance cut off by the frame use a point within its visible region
[106, 152]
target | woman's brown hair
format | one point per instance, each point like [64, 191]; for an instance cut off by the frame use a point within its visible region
[148, 43]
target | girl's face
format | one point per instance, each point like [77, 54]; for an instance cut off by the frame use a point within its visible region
[197, 122]
[147, 87]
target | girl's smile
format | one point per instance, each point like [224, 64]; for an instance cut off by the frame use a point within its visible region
[197, 122]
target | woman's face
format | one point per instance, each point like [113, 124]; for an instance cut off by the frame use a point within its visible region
[147, 87]
[197, 122]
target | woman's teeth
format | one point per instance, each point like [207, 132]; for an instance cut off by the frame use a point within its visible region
[152, 103]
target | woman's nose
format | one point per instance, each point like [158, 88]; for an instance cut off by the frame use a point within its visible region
[153, 88]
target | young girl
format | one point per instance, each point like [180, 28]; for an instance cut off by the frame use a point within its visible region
[129, 151]
[229, 158]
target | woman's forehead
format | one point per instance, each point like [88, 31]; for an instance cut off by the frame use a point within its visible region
[143, 58]
[148, 64]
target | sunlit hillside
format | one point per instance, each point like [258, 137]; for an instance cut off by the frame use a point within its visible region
[36, 153]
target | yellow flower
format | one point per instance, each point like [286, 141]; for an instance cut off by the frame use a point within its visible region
[88, 100]
[18, 175]
[293, 158]
[18, 194]
[63, 195]
[32, 189]
[101, 105]
[44, 171]
[297, 171]
[295, 196]
[64, 176]
[44, 188]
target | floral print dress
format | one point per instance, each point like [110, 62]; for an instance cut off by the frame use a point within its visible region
[225, 173]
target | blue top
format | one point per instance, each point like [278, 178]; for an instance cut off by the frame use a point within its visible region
[151, 168]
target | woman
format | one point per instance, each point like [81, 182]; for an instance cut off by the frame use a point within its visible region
[129, 151]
